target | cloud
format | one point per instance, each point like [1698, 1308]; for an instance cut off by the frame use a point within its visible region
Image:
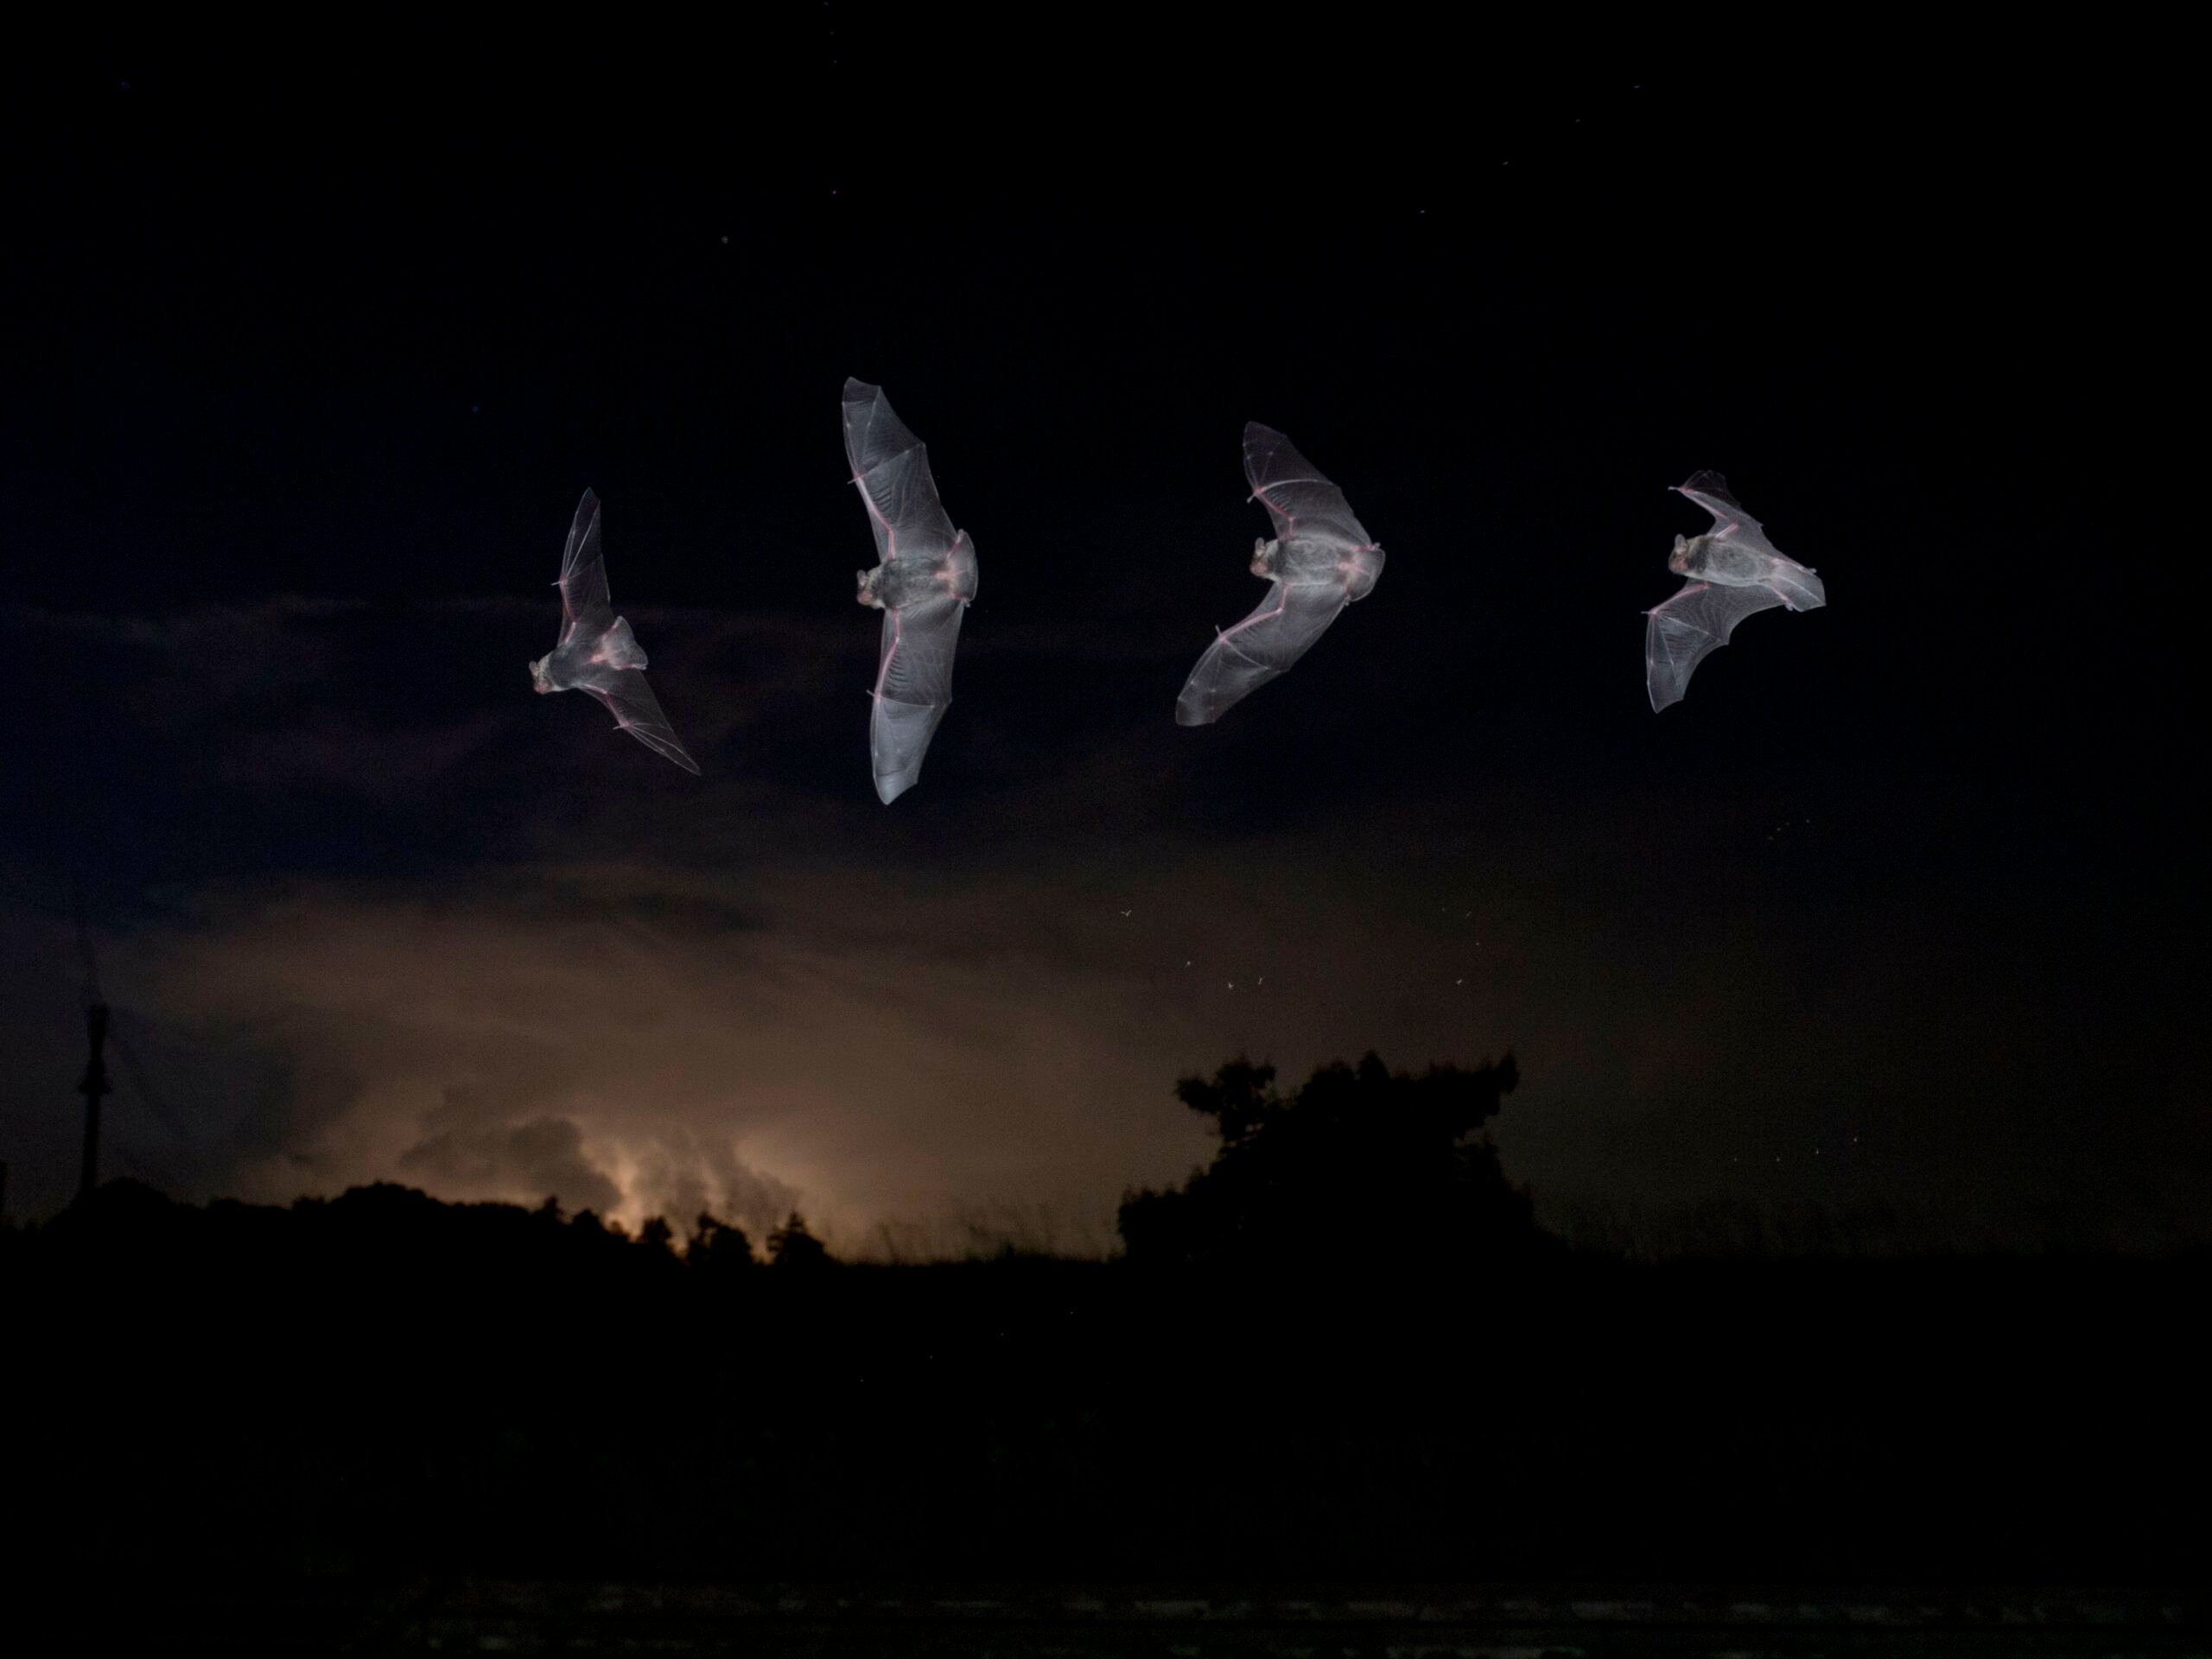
[544, 1156]
[789, 1041]
[373, 910]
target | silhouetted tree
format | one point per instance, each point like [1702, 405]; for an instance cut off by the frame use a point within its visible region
[657, 1235]
[1362, 1169]
[792, 1246]
[717, 1246]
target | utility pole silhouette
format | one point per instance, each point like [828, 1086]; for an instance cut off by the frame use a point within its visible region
[94, 1086]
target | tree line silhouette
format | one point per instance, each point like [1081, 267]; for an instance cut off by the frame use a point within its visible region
[1342, 1348]
[1359, 1170]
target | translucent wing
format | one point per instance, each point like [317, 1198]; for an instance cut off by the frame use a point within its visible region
[1695, 621]
[638, 712]
[1302, 503]
[1246, 656]
[913, 686]
[1730, 522]
[891, 464]
[584, 572]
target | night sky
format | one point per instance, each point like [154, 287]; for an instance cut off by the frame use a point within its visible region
[306, 366]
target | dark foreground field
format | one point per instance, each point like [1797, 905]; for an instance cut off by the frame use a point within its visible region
[1119, 1622]
[454, 1442]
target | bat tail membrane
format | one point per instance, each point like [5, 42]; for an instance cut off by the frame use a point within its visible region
[1801, 590]
[1367, 571]
[960, 566]
[619, 647]
[898, 736]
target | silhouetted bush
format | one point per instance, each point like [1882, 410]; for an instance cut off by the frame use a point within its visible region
[792, 1246]
[1361, 1171]
[715, 1246]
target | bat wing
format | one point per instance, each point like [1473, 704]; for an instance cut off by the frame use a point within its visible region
[1246, 656]
[1302, 503]
[1730, 522]
[913, 686]
[638, 712]
[1696, 620]
[891, 467]
[583, 573]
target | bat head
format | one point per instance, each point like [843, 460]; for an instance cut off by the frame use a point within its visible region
[1679, 560]
[866, 595]
[538, 679]
[1263, 557]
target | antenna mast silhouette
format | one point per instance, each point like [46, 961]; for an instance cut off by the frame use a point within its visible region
[94, 1086]
[95, 1083]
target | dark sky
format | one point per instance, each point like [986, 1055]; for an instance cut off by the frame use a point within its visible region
[307, 361]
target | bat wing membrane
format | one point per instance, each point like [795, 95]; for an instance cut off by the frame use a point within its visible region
[1684, 630]
[1730, 522]
[1301, 502]
[584, 572]
[913, 687]
[637, 711]
[1264, 644]
[891, 464]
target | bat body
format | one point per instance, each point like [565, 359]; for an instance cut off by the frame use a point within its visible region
[1733, 571]
[597, 653]
[923, 585]
[1320, 560]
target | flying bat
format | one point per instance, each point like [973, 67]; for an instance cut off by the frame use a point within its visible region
[1733, 572]
[922, 586]
[597, 653]
[1318, 561]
